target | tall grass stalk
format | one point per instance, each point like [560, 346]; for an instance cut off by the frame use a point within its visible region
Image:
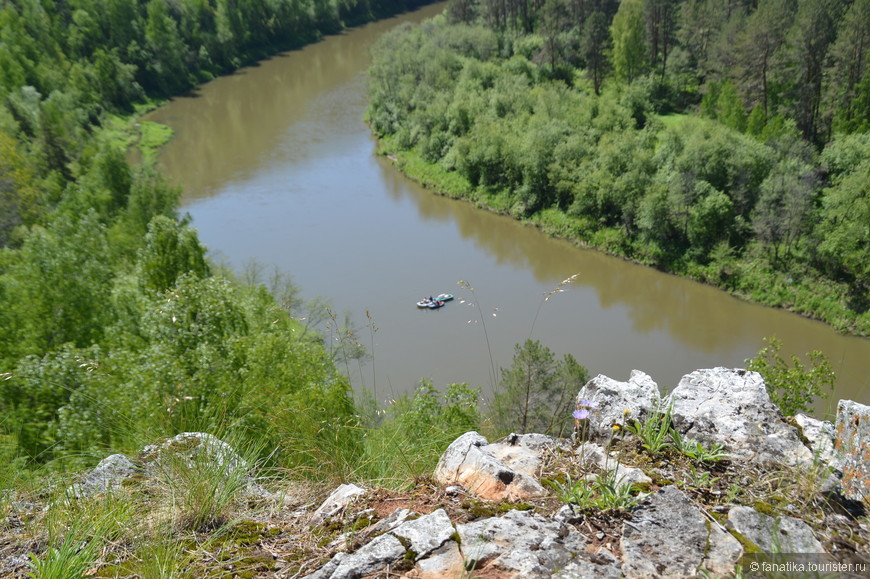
[370, 324]
[203, 484]
[493, 376]
[557, 290]
[77, 531]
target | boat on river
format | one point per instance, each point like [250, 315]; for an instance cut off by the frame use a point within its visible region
[430, 303]
[444, 297]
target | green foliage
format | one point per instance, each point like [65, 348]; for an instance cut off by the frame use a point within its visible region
[77, 533]
[414, 432]
[535, 394]
[844, 228]
[696, 451]
[604, 493]
[654, 431]
[170, 250]
[630, 52]
[792, 386]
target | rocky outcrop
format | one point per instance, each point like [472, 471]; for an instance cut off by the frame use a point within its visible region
[667, 533]
[731, 407]
[160, 462]
[110, 473]
[668, 536]
[852, 446]
[502, 471]
[613, 401]
[774, 534]
[520, 544]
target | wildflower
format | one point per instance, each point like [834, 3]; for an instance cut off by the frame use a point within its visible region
[616, 428]
[626, 412]
[589, 404]
[581, 414]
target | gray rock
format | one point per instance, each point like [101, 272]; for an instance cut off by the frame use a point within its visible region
[200, 451]
[853, 448]
[520, 544]
[418, 538]
[469, 461]
[377, 554]
[590, 452]
[819, 436]
[774, 535]
[107, 475]
[732, 408]
[668, 536]
[336, 502]
[525, 452]
[601, 565]
[427, 533]
[192, 449]
[188, 450]
[612, 398]
[446, 561]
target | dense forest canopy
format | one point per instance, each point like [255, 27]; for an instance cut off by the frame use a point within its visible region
[724, 140]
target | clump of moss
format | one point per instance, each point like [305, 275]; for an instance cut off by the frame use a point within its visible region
[478, 509]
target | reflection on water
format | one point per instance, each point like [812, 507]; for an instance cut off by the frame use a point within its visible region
[277, 165]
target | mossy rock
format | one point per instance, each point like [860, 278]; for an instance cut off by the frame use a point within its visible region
[483, 510]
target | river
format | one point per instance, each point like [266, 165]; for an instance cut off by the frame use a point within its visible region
[278, 166]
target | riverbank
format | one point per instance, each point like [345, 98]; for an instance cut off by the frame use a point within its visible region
[751, 279]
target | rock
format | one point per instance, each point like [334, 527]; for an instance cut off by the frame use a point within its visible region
[819, 436]
[446, 561]
[668, 536]
[160, 462]
[732, 408]
[589, 452]
[853, 448]
[601, 565]
[639, 396]
[471, 462]
[412, 540]
[426, 534]
[336, 502]
[192, 448]
[519, 544]
[524, 452]
[107, 475]
[774, 535]
[380, 552]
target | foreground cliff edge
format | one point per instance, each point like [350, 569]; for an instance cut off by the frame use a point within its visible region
[710, 480]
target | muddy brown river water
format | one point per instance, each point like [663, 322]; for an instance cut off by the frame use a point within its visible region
[277, 165]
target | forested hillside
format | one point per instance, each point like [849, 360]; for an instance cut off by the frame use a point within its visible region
[728, 141]
[114, 328]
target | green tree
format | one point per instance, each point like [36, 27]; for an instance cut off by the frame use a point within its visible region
[711, 222]
[759, 41]
[630, 51]
[783, 210]
[661, 23]
[848, 81]
[792, 386]
[594, 44]
[19, 195]
[171, 250]
[536, 392]
[804, 53]
[844, 227]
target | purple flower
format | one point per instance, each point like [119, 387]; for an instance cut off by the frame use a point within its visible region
[581, 414]
[588, 404]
